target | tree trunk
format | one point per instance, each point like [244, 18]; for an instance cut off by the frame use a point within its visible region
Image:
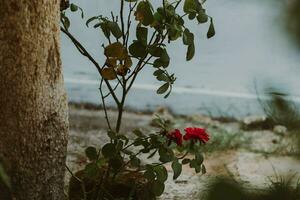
[33, 103]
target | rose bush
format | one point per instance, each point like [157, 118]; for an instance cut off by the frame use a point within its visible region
[116, 170]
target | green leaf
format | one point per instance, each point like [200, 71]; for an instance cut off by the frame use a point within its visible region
[158, 20]
[168, 94]
[134, 161]
[161, 173]
[73, 7]
[116, 163]
[91, 170]
[192, 15]
[165, 57]
[177, 168]
[109, 150]
[157, 63]
[138, 133]
[202, 17]
[190, 6]
[124, 138]
[158, 72]
[142, 35]
[175, 32]
[158, 188]
[199, 158]
[156, 51]
[197, 168]
[91, 153]
[185, 161]
[137, 49]
[162, 89]
[105, 29]
[100, 162]
[195, 164]
[149, 173]
[203, 169]
[163, 77]
[163, 61]
[115, 29]
[211, 30]
[190, 52]
[165, 155]
[188, 37]
[144, 13]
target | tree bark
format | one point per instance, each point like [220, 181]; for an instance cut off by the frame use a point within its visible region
[33, 102]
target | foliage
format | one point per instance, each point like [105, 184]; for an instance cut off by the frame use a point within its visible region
[121, 155]
[124, 60]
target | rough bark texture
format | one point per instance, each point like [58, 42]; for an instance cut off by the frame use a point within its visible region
[33, 103]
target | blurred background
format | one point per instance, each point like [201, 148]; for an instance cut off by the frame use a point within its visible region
[254, 48]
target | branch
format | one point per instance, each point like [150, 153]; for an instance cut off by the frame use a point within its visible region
[104, 105]
[84, 52]
[114, 89]
[122, 21]
[131, 8]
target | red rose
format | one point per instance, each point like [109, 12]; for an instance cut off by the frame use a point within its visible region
[175, 136]
[192, 133]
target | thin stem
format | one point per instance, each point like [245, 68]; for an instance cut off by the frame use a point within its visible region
[114, 89]
[131, 8]
[122, 21]
[164, 6]
[178, 4]
[121, 105]
[180, 158]
[130, 145]
[104, 105]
